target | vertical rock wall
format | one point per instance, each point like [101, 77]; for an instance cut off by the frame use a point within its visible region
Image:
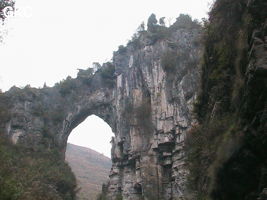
[145, 95]
[154, 103]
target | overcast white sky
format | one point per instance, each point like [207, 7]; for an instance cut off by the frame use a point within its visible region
[48, 40]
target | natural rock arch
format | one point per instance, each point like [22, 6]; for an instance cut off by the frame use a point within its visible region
[99, 104]
[59, 109]
[147, 97]
[143, 97]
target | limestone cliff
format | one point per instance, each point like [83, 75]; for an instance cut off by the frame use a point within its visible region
[145, 95]
[156, 85]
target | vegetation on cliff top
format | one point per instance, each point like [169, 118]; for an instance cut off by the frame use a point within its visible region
[158, 30]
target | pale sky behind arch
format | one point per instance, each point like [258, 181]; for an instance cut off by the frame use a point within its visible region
[48, 40]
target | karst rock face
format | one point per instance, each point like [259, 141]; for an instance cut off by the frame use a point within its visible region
[145, 94]
[153, 112]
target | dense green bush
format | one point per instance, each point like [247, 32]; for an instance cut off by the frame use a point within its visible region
[88, 73]
[185, 22]
[119, 197]
[107, 74]
[208, 146]
[25, 174]
[4, 106]
[122, 49]
[66, 86]
[225, 44]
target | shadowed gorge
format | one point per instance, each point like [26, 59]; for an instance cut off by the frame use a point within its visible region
[187, 105]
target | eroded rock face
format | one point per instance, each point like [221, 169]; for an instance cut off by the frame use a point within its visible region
[147, 101]
[153, 112]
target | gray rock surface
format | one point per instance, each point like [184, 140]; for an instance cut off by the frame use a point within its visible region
[147, 101]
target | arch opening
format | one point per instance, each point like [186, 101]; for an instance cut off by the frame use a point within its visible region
[93, 133]
[88, 154]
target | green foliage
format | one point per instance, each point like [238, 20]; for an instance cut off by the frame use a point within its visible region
[107, 74]
[122, 49]
[208, 147]
[23, 94]
[136, 40]
[162, 21]
[104, 197]
[66, 86]
[221, 67]
[170, 61]
[101, 197]
[185, 22]
[88, 73]
[25, 174]
[86, 76]
[56, 115]
[152, 22]
[103, 194]
[4, 106]
[156, 32]
[159, 33]
[141, 28]
[231, 141]
[119, 197]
